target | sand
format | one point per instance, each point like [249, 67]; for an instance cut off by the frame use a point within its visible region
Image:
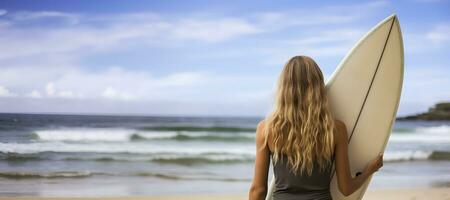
[384, 194]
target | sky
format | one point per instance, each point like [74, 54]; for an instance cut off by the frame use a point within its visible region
[199, 58]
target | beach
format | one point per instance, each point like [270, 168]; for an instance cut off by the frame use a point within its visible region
[161, 100]
[385, 194]
[138, 157]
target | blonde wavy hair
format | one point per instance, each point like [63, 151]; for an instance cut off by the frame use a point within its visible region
[301, 125]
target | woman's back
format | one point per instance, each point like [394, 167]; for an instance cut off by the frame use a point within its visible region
[290, 186]
[302, 127]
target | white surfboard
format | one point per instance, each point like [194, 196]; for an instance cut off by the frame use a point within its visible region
[364, 93]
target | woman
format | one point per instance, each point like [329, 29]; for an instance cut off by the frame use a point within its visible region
[302, 139]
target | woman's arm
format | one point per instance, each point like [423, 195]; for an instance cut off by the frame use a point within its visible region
[347, 185]
[258, 189]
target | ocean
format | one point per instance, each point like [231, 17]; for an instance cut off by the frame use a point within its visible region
[94, 155]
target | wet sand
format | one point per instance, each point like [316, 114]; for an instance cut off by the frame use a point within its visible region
[385, 194]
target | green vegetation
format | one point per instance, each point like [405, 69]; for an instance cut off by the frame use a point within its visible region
[440, 111]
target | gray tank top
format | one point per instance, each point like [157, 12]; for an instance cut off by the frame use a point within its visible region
[300, 187]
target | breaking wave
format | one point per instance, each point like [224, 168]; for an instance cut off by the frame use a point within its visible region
[126, 135]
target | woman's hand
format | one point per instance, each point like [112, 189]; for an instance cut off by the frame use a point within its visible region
[374, 165]
[348, 183]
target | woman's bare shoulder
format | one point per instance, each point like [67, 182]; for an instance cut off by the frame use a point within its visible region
[340, 131]
[261, 124]
[260, 130]
[261, 133]
[339, 123]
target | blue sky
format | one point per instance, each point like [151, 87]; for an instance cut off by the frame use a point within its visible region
[199, 57]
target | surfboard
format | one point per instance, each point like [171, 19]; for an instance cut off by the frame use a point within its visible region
[364, 92]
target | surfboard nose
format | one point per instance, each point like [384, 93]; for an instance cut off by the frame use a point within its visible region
[391, 17]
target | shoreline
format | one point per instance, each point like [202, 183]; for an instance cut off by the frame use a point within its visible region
[386, 194]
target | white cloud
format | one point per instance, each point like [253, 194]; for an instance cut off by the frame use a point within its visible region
[182, 79]
[429, 1]
[213, 30]
[30, 15]
[83, 37]
[86, 39]
[318, 44]
[5, 92]
[35, 94]
[273, 20]
[328, 37]
[116, 83]
[51, 61]
[274, 52]
[439, 35]
[3, 12]
[427, 41]
[50, 89]
[78, 41]
[364, 7]
[112, 83]
[324, 43]
[328, 15]
[68, 94]
[423, 87]
[111, 93]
